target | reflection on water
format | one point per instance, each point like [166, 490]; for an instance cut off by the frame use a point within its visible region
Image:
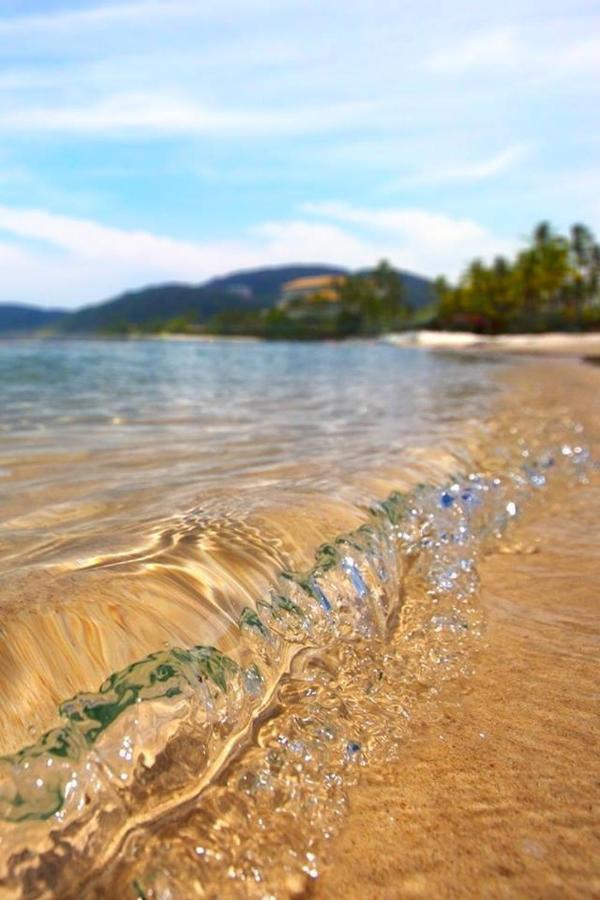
[140, 428]
[152, 495]
[152, 489]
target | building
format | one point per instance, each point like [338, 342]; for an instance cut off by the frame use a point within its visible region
[314, 291]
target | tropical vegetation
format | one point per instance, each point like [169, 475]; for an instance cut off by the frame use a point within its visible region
[244, 302]
[553, 283]
[364, 304]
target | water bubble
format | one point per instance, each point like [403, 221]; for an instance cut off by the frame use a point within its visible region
[319, 595]
[535, 477]
[350, 568]
[547, 460]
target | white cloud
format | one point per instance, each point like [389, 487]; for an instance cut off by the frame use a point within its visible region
[131, 113]
[551, 51]
[473, 171]
[488, 48]
[310, 241]
[427, 242]
[581, 55]
[91, 241]
[243, 67]
[488, 168]
[280, 96]
[68, 21]
[55, 260]
[163, 114]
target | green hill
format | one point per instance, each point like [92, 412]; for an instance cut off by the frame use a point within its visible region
[151, 306]
[18, 319]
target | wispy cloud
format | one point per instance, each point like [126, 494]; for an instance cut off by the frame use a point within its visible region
[470, 171]
[237, 67]
[147, 12]
[488, 48]
[487, 168]
[581, 55]
[171, 115]
[56, 259]
[551, 52]
[425, 241]
[222, 118]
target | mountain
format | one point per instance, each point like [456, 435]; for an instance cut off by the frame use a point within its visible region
[244, 290]
[241, 290]
[419, 290]
[18, 319]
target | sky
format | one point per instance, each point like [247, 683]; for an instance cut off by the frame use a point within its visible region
[144, 141]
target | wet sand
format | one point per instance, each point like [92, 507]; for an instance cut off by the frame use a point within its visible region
[499, 797]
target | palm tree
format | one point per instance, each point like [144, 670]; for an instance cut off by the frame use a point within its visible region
[585, 274]
[527, 284]
[542, 234]
[552, 275]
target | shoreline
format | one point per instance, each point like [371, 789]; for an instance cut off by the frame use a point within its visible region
[333, 692]
[495, 796]
[548, 344]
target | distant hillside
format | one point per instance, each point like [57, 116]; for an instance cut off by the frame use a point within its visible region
[419, 291]
[17, 319]
[150, 306]
[241, 290]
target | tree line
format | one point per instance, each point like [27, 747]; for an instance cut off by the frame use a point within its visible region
[552, 283]
[367, 304]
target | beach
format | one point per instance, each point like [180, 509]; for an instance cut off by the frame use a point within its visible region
[299, 450]
[330, 642]
[498, 797]
[550, 344]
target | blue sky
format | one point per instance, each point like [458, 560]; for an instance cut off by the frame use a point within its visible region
[150, 140]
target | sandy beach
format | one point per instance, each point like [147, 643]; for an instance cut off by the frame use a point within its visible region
[299, 574]
[551, 344]
[435, 736]
[498, 796]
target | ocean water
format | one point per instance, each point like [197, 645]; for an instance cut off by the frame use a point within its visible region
[228, 571]
[98, 433]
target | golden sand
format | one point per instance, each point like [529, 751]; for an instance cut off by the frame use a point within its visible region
[499, 796]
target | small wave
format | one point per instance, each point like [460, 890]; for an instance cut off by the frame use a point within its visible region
[95, 793]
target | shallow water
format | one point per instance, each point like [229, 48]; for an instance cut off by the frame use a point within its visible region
[494, 792]
[150, 490]
[97, 434]
[161, 509]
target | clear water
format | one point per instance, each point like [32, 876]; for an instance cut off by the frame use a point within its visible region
[149, 490]
[192, 542]
[97, 436]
